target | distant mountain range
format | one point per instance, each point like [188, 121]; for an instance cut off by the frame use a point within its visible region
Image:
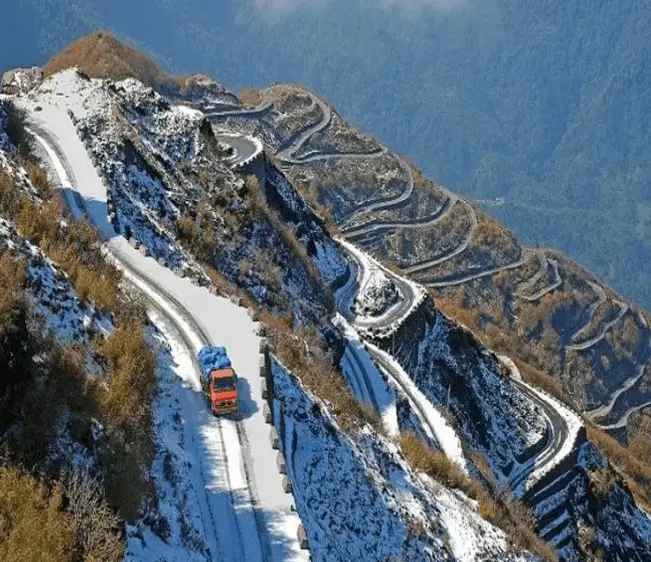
[544, 104]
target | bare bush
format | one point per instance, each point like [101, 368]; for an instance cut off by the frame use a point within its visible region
[96, 526]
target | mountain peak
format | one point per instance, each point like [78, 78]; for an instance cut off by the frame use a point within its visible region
[102, 55]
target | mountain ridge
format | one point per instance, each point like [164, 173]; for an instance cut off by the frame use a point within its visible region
[288, 128]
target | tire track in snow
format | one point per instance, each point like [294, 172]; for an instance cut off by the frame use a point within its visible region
[146, 284]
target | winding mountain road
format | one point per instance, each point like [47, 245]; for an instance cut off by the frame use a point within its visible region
[555, 284]
[356, 284]
[605, 409]
[460, 280]
[248, 517]
[462, 247]
[557, 434]
[601, 334]
[558, 431]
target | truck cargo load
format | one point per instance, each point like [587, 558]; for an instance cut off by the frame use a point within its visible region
[218, 380]
[213, 358]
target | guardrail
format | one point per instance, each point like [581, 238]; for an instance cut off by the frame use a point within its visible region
[272, 418]
[267, 384]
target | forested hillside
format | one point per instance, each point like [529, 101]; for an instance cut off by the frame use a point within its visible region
[544, 104]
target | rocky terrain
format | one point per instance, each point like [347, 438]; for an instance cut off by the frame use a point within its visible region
[568, 325]
[386, 299]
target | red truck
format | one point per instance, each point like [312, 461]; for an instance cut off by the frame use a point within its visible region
[219, 380]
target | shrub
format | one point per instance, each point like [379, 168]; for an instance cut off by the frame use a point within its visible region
[33, 525]
[126, 406]
[251, 97]
[97, 287]
[512, 517]
[96, 527]
[38, 178]
[636, 472]
[185, 226]
[434, 463]
[304, 356]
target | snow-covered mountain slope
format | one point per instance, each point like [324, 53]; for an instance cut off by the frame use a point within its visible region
[57, 137]
[172, 525]
[185, 221]
[169, 180]
[348, 485]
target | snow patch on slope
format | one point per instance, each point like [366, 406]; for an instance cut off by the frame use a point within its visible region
[53, 297]
[444, 434]
[359, 500]
[490, 413]
[367, 382]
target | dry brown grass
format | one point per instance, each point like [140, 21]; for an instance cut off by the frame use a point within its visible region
[489, 232]
[303, 354]
[126, 407]
[452, 305]
[251, 97]
[436, 465]
[75, 248]
[542, 380]
[514, 518]
[102, 55]
[635, 469]
[33, 524]
[601, 482]
[624, 337]
[323, 212]
[13, 275]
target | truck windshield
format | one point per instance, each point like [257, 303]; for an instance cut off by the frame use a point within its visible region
[225, 383]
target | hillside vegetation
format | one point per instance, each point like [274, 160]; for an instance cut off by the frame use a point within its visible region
[543, 104]
[51, 508]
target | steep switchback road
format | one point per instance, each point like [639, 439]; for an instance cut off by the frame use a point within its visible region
[366, 362]
[558, 434]
[605, 409]
[247, 514]
[238, 111]
[429, 264]
[361, 266]
[553, 285]
[245, 148]
[543, 265]
[601, 334]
